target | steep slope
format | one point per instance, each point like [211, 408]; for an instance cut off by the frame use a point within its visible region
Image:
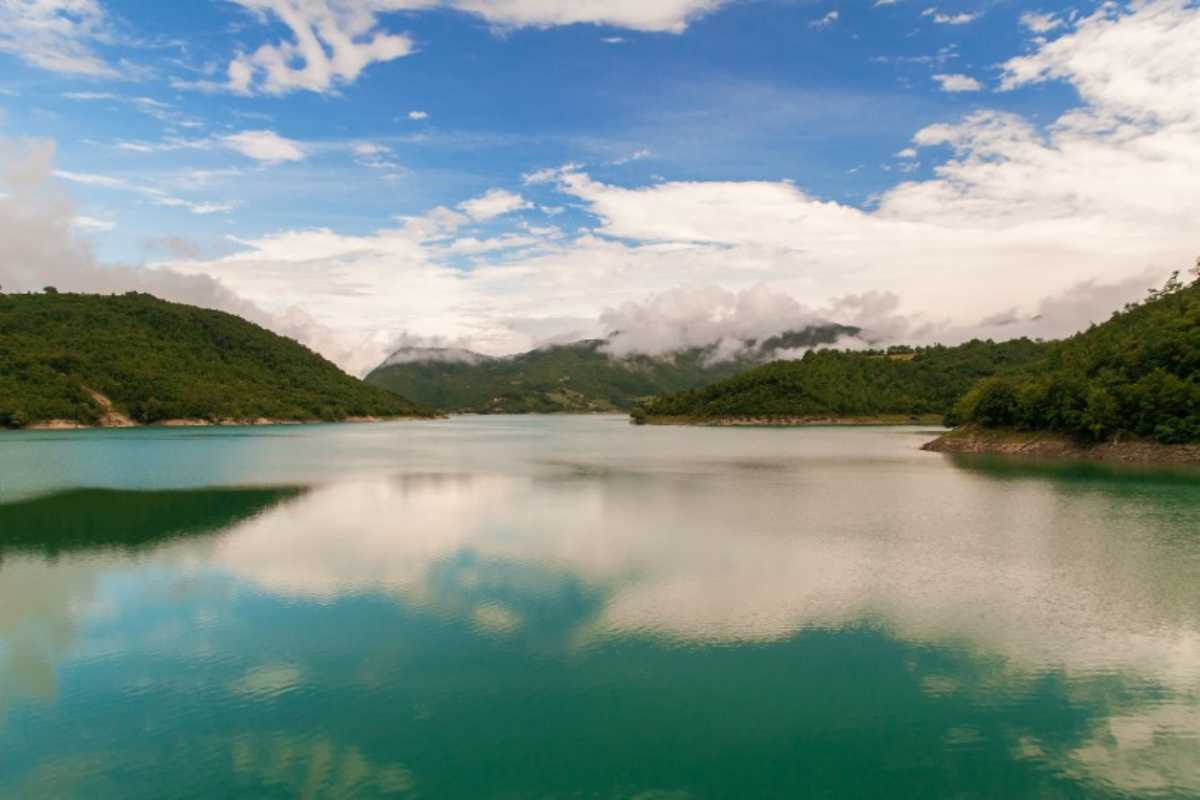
[904, 382]
[93, 358]
[1136, 375]
[578, 377]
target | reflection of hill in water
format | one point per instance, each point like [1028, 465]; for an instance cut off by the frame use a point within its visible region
[54, 549]
[1074, 473]
[92, 518]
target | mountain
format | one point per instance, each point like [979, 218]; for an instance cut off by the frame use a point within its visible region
[900, 382]
[1136, 375]
[577, 377]
[132, 358]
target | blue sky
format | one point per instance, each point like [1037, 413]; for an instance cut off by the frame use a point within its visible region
[203, 136]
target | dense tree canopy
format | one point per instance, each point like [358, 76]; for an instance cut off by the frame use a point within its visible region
[157, 360]
[840, 383]
[1138, 374]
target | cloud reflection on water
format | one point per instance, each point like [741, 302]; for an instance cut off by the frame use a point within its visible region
[733, 537]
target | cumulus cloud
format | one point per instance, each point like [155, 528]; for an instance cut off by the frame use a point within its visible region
[957, 83]
[418, 115]
[57, 35]
[1132, 66]
[264, 145]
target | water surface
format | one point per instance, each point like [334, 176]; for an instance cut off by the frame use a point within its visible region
[572, 607]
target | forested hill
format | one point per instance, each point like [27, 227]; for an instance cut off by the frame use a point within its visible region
[63, 356]
[578, 377]
[1138, 374]
[846, 384]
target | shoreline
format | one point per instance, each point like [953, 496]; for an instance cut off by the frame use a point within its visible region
[877, 420]
[1041, 446]
[126, 423]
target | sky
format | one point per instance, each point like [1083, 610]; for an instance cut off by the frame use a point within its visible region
[499, 174]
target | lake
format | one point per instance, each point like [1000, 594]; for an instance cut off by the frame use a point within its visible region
[539, 607]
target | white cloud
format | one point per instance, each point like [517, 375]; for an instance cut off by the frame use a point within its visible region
[684, 318]
[418, 115]
[825, 21]
[56, 35]
[1041, 23]
[948, 19]
[93, 224]
[91, 179]
[211, 208]
[493, 204]
[613, 40]
[957, 83]
[264, 145]
[1138, 66]
[637, 155]
[333, 41]
[908, 152]
[547, 174]
[155, 195]
[149, 106]
[672, 16]
[881, 3]
[90, 96]
[374, 156]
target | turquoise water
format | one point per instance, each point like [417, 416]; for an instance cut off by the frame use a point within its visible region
[573, 607]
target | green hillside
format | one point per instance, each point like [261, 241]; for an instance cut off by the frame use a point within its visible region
[156, 361]
[1138, 374]
[845, 384]
[579, 377]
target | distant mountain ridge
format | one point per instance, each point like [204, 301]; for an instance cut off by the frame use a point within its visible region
[580, 377]
[80, 359]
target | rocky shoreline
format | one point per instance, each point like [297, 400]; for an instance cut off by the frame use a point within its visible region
[979, 441]
[794, 422]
